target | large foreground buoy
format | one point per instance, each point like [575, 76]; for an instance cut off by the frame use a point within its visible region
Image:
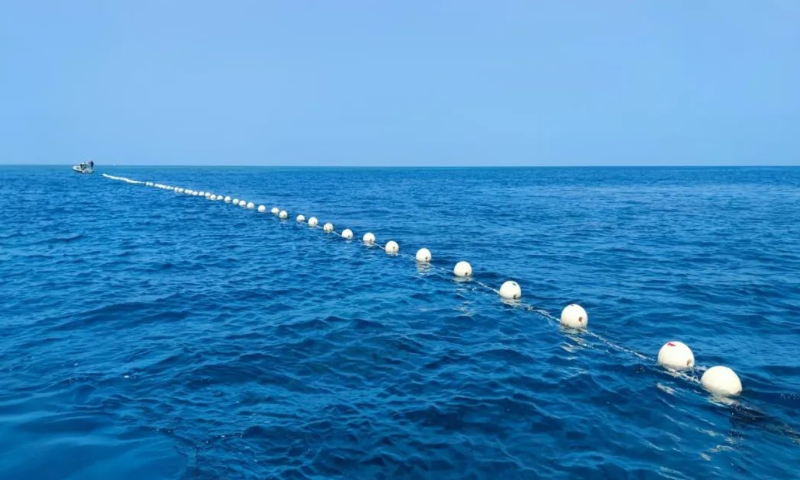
[676, 356]
[328, 228]
[227, 199]
[423, 255]
[312, 222]
[262, 209]
[283, 215]
[574, 316]
[462, 269]
[510, 290]
[301, 218]
[392, 247]
[275, 210]
[347, 234]
[368, 238]
[721, 381]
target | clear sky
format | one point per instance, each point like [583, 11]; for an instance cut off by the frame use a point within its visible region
[401, 83]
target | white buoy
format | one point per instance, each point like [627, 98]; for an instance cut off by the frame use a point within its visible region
[242, 203]
[236, 201]
[312, 222]
[262, 209]
[347, 234]
[283, 215]
[251, 205]
[201, 194]
[462, 269]
[275, 210]
[227, 199]
[207, 195]
[510, 290]
[368, 238]
[721, 381]
[574, 316]
[392, 247]
[676, 356]
[219, 197]
[328, 228]
[213, 198]
[423, 255]
[301, 218]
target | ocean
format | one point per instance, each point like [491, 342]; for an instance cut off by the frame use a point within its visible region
[153, 335]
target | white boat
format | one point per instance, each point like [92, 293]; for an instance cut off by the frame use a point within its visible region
[85, 167]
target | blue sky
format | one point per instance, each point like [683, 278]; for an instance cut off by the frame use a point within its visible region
[401, 83]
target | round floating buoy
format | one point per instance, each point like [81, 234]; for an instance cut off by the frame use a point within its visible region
[275, 210]
[312, 222]
[219, 197]
[201, 194]
[368, 238]
[236, 201]
[242, 203]
[262, 209]
[392, 247]
[721, 381]
[462, 269]
[213, 198]
[510, 290]
[676, 356]
[250, 205]
[207, 195]
[423, 255]
[227, 199]
[328, 228]
[178, 190]
[283, 215]
[347, 234]
[574, 316]
[301, 218]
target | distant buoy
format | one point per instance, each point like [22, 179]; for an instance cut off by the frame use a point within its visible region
[347, 234]
[462, 269]
[242, 203]
[227, 199]
[262, 209]
[207, 195]
[236, 201]
[574, 316]
[275, 210]
[312, 222]
[676, 356]
[423, 255]
[721, 381]
[392, 247]
[328, 228]
[219, 197]
[250, 205]
[301, 218]
[283, 215]
[213, 198]
[201, 194]
[510, 290]
[368, 238]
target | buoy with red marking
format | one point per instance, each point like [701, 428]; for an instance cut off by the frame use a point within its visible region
[676, 356]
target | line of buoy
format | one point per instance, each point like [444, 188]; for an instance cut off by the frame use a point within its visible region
[674, 356]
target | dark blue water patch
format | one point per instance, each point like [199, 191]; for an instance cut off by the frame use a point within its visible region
[152, 335]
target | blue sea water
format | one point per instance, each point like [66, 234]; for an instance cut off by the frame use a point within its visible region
[151, 335]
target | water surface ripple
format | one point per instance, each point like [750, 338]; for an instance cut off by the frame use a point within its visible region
[153, 335]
